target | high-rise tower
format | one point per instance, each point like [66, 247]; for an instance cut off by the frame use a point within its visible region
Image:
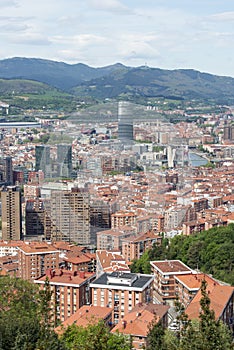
[70, 215]
[64, 160]
[11, 213]
[125, 122]
[43, 162]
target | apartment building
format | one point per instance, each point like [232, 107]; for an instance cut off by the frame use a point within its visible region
[9, 247]
[135, 324]
[122, 218]
[221, 301]
[76, 260]
[70, 290]
[188, 285]
[70, 214]
[134, 247]
[112, 239]
[121, 291]
[164, 279]
[110, 262]
[86, 315]
[35, 258]
[11, 213]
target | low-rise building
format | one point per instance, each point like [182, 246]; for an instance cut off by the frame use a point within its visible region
[135, 324]
[86, 315]
[221, 301]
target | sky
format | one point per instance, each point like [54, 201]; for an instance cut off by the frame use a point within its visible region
[168, 34]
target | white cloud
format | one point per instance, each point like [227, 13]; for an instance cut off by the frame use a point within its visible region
[113, 6]
[223, 17]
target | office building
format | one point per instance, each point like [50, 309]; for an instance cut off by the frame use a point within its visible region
[6, 171]
[64, 160]
[11, 213]
[37, 218]
[125, 123]
[70, 216]
[43, 161]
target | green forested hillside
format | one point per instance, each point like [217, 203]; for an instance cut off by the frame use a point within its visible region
[210, 251]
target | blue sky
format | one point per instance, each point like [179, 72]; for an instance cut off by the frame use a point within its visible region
[168, 34]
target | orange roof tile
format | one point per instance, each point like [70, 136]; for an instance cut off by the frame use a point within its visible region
[219, 297]
[136, 321]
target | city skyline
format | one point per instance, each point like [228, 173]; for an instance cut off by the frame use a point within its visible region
[171, 35]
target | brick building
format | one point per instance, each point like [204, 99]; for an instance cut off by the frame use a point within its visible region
[35, 258]
[121, 291]
[164, 279]
[70, 291]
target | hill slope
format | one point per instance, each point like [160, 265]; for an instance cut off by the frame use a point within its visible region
[118, 80]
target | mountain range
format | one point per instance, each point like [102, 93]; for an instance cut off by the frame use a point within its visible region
[118, 80]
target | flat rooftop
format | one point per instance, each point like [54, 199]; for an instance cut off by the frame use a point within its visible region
[122, 280]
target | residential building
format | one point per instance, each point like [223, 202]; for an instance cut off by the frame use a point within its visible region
[70, 216]
[110, 262]
[188, 285]
[86, 315]
[221, 301]
[134, 247]
[9, 248]
[76, 260]
[11, 213]
[112, 239]
[35, 258]
[135, 324]
[164, 279]
[122, 218]
[70, 291]
[9, 266]
[121, 291]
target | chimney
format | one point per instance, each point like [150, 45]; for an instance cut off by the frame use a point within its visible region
[49, 273]
[82, 274]
[124, 323]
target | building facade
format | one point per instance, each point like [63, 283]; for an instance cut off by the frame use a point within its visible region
[35, 258]
[121, 291]
[70, 216]
[11, 213]
[70, 291]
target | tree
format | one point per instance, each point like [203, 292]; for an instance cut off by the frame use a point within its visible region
[94, 337]
[24, 322]
[207, 333]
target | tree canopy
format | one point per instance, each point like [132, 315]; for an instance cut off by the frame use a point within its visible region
[210, 251]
